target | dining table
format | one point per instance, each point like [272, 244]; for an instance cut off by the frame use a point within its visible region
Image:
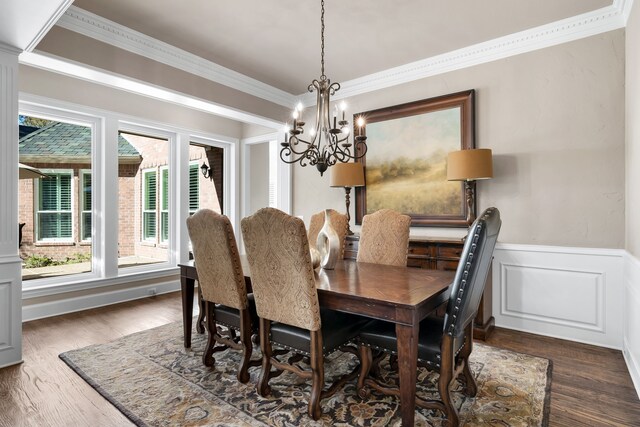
[402, 295]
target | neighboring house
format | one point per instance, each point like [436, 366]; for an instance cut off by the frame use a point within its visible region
[57, 210]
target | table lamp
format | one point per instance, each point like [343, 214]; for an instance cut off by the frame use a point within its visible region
[469, 166]
[347, 175]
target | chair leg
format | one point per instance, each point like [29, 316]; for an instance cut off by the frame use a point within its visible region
[444, 382]
[365, 367]
[265, 343]
[201, 315]
[317, 375]
[247, 347]
[470, 386]
[207, 357]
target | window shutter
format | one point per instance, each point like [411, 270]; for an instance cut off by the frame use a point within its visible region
[164, 209]
[194, 188]
[149, 214]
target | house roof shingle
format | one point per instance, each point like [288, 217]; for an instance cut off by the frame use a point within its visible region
[65, 141]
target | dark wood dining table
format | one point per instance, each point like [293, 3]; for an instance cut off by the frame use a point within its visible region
[402, 295]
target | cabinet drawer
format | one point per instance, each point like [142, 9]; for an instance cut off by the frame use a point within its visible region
[449, 251]
[421, 249]
[447, 265]
[420, 263]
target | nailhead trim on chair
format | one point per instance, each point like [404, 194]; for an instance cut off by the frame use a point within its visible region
[297, 350]
[465, 275]
[386, 350]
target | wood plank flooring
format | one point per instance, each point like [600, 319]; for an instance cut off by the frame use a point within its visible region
[590, 386]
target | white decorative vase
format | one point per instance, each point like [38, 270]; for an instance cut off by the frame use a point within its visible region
[328, 244]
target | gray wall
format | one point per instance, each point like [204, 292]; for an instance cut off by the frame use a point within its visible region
[555, 121]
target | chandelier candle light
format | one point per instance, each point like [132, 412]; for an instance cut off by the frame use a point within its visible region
[328, 139]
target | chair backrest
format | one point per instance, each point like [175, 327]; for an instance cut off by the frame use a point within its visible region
[338, 221]
[384, 238]
[217, 260]
[282, 276]
[468, 285]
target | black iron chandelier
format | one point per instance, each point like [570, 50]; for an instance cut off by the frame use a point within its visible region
[329, 139]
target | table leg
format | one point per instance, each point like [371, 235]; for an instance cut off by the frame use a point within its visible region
[408, 370]
[187, 286]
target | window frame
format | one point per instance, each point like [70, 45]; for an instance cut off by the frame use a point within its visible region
[81, 199]
[37, 211]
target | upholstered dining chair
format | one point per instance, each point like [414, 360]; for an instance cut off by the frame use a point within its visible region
[340, 224]
[222, 287]
[444, 343]
[384, 238]
[284, 288]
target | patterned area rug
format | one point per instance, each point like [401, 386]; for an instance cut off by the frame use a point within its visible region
[155, 381]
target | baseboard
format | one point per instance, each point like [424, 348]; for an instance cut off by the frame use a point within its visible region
[633, 366]
[631, 341]
[569, 293]
[106, 297]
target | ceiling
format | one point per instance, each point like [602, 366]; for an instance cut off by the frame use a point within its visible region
[278, 41]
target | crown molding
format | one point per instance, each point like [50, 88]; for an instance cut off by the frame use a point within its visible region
[577, 27]
[104, 30]
[95, 75]
[49, 24]
[580, 26]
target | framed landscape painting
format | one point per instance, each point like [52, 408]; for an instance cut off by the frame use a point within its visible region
[406, 160]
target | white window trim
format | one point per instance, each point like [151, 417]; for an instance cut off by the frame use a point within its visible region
[81, 211]
[36, 210]
[105, 194]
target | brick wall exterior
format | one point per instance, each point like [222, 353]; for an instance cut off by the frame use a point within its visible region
[155, 155]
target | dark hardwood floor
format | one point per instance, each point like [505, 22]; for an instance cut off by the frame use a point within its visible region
[590, 386]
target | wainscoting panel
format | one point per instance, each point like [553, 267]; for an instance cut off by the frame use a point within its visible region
[631, 345]
[5, 316]
[10, 314]
[569, 293]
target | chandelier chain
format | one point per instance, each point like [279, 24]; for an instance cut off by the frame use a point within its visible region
[323, 77]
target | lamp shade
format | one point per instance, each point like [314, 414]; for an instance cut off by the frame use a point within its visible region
[469, 165]
[347, 175]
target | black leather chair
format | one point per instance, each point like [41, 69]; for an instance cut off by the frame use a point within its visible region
[445, 343]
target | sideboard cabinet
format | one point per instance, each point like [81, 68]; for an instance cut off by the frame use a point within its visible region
[440, 254]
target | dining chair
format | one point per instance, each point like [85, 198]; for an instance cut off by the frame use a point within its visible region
[444, 343]
[284, 287]
[340, 224]
[222, 288]
[384, 238]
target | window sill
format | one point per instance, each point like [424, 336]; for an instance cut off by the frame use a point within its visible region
[148, 244]
[61, 243]
[83, 282]
[85, 243]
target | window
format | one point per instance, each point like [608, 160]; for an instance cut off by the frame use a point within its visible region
[85, 204]
[149, 191]
[53, 207]
[194, 188]
[164, 205]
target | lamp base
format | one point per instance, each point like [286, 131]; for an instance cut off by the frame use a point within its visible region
[347, 197]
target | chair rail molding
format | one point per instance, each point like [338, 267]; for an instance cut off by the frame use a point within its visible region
[631, 339]
[563, 292]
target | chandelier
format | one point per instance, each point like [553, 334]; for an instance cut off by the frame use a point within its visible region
[328, 141]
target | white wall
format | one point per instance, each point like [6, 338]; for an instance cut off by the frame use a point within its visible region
[258, 190]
